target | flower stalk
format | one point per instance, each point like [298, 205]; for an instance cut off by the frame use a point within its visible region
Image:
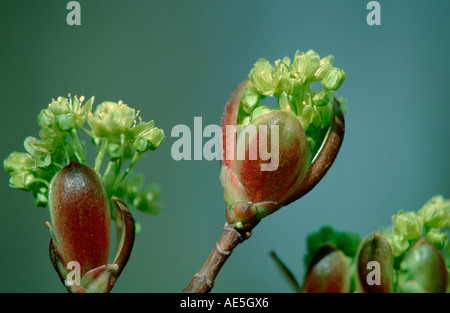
[203, 280]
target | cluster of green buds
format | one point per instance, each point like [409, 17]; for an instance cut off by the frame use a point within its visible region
[311, 129]
[291, 82]
[55, 169]
[411, 256]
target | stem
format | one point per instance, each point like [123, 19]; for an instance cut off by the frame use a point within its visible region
[108, 169]
[136, 156]
[74, 135]
[41, 180]
[101, 154]
[66, 153]
[119, 162]
[203, 281]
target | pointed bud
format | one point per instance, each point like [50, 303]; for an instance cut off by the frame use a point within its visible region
[328, 272]
[80, 229]
[375, 265]
[80, 216]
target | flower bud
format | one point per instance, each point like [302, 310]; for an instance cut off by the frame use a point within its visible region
[266, 190]
[328, 272]
[261, 182]
[250, 100]
[375, 265]
[80, 216]
[334, 79]
[422, 269]
[80, 229]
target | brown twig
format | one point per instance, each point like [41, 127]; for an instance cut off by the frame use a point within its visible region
[203, 281]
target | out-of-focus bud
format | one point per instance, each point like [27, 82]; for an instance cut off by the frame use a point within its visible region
[375, 265]
[80, 228]
[436, 212]
[408, 224]
[398, 243]
[328, 272]
[422, 269]
[436, 237]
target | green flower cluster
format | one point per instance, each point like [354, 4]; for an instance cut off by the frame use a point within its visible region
[114, 130]
[431, 220]
[58, 142]
[413, 255]
[290, 83]
[115, 126]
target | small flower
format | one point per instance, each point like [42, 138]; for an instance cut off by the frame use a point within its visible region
[263, 77]
[112, 119]
[436, 237]
[326, 64]
[291, 83]
[436, 212]
[408, 224]
[306, 64]
[66, 113]
[398, 243]
[19, 162]
[117, 123]
[80, 228]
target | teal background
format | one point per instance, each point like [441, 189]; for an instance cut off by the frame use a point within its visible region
[178, 59]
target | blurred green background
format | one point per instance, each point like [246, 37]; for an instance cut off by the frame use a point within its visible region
[178, 59]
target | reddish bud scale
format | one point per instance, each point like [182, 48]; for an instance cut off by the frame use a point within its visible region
[293, 160]
[80, 216]
[251, 193]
